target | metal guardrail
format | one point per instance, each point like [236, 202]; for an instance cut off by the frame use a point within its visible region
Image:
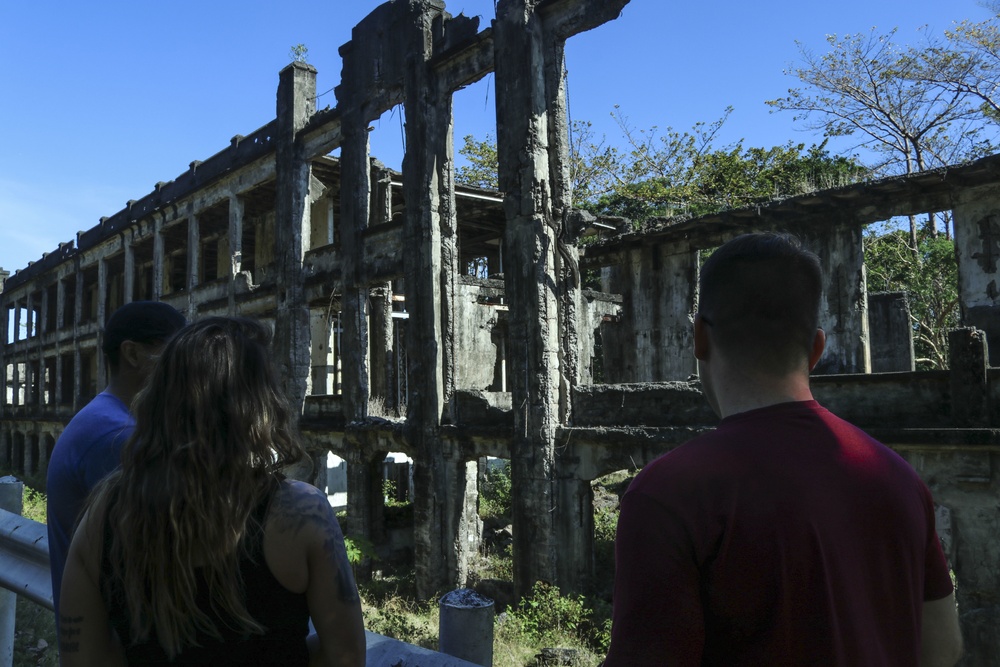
[24, 569]
[24, 558]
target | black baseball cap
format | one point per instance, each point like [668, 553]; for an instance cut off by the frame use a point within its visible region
[142, 322]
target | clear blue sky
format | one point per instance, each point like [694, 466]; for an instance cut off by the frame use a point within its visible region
[101, 100]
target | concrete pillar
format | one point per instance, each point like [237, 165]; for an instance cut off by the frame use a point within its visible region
[295, 105]
[844, 307]
[17, 321]
[382, 351]
[236, 210]
[365, 503]
[891, 332]
[968, 360]
[4, 330]
[31, 325]
[977, 248]
[158, 259]
[654, 340]
[61, 305]
[77, 315]
[194, 262]
[531, 148]
[128, 282]
[102, 317]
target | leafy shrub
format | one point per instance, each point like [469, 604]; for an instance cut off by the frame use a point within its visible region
[547, 618]
[34, 505]
[495, 493]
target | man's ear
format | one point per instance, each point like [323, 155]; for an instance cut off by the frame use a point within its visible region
[128, 353]
[701, 340]
[819, 344]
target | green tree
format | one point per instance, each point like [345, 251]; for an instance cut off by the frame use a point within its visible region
[930, 282]
[867, 86]
[966, 61]
[481, 170]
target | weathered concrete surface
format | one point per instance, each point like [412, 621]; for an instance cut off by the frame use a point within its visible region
[965, 481]
[658, 289]
[977, 248]
[891, 332]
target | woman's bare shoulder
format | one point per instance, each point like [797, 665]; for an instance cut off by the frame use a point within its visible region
[297, 507]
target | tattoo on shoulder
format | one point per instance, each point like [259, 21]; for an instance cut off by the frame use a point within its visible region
[295, 508]
[69, 633]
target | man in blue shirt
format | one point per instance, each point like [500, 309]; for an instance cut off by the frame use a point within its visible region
[90, 446]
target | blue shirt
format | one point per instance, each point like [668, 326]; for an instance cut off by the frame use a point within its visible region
[88, 449]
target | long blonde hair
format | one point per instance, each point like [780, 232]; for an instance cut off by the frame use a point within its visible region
[213, 431]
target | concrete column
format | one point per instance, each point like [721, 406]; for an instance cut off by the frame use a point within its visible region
[31, 326]
[891, 332]
[538, 263]
[968, 360]
[365, 503]
[443, 529]
[382, 345]
[977, 248]
[102, 317]
[158, 257]
[42, 381]
[17, 321]
[57, 399]
[16, 395]
[843, 312]
[61, 304]
[296, 104]
[236, 210]
[128, 280]
[194, 263]
[654, 341]
[77, 315]
[4, 330]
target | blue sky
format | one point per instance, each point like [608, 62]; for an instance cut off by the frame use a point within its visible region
[101, 100]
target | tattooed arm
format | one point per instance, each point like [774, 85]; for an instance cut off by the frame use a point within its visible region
[302, 514]
[85, 634]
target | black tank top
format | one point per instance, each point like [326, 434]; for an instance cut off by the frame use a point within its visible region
[284, 615]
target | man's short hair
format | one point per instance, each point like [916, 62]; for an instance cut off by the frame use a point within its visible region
[140, 321]
[760, 295]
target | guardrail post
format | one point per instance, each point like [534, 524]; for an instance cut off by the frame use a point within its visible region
[11, 499]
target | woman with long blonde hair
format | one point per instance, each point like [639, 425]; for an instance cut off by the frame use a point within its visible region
[198, 551]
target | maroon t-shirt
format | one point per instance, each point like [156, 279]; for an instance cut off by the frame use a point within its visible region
[785, 537]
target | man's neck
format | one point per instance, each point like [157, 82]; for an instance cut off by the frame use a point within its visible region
[122, 390]
[742, 394]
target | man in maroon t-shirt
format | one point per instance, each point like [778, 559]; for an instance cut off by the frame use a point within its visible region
[786, 536]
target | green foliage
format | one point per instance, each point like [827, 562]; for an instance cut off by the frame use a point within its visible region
[481, 170]
[299, 53]
[34, 505]
[548, 618]
[495, 493]
[930, 280]
[358, 549]
[671, 173]
[966, 62]
[713, 180]
[402, 619]
[866, 85]
[35, 643]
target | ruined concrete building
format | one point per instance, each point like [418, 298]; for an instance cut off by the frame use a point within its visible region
[364, 274]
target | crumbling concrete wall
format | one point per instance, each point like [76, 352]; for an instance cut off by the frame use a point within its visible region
[977, 247]
[658, 286]
[891, 332]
